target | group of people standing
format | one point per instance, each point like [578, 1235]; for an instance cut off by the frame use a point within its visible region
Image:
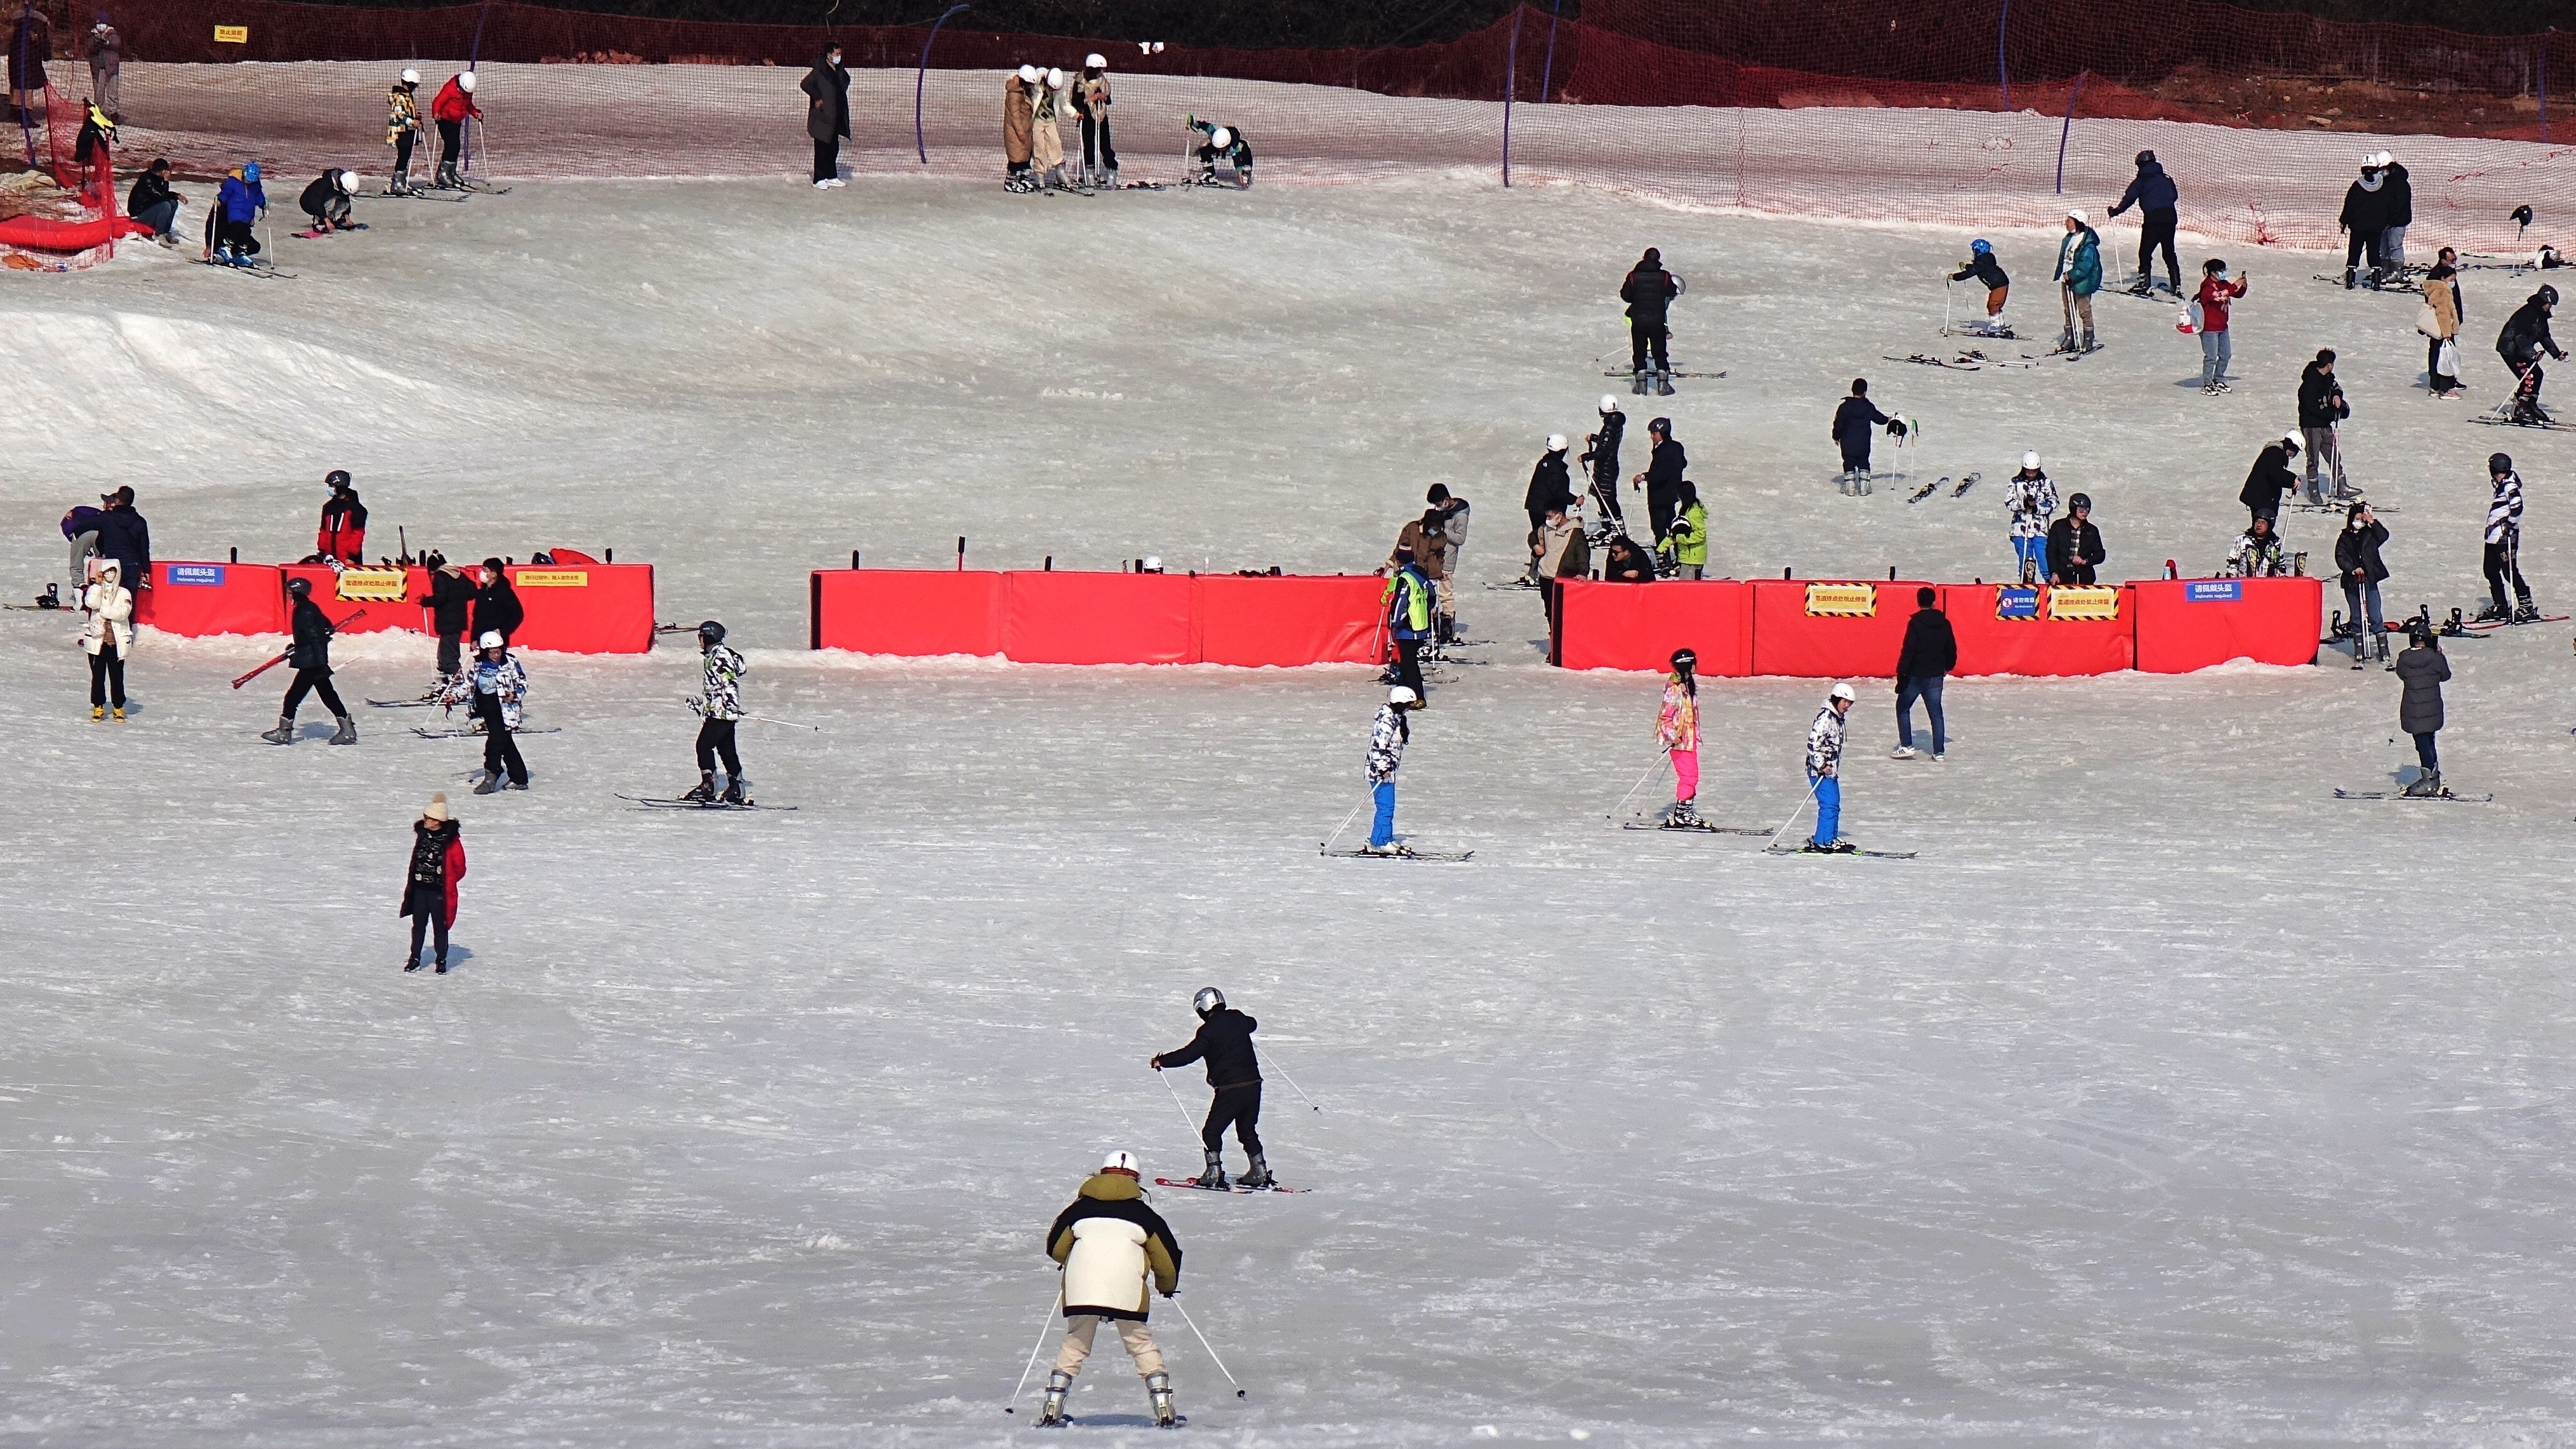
[1033, 105]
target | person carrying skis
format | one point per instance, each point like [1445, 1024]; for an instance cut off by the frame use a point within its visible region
[451, 108]
[2269, 480]
[1551, 490]
[497, 609]
[2079, 276]
[1407, 606]
[429, 885]
[238, 204]
[1662, 480]
[1601, 460]
[2257, 554]
[2217, 344]
[2321, 409]
[1448, 518]
[1649, 291]
[827, 115]
[2031, 498]
[1824, 772]
[1854, 422]
[1686, 546]
[2524, 338]
[1677, 731]
[1923, 665]
[2357, 561]
[311, 656]
[2364, 219]
[1224, 1041]
[449, 601]
[1389, 733]
[2075, 545]
[343, 534]
[1091, 99]
[326, 202]
[107, 635]
[402, 130]
[2154, 194]
[1981, 264]
[719, 709]
[492, 689]
[2504, 546]
[2421, 671]
[1108, 1243]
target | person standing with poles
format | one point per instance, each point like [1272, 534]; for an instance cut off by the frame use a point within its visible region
[2154, 194]
[311, 656]
[1224, 1042]
[451, 108]
[1389, 733]
[429, 886]
[492, 689]
[2504, 546]
[1662, 480]
[402, 131]
[2321, 409]
[1601, 458]
[1649, 291]
[1923, 663]
[2524, 338]
[719, 708]
[827, 115]
[1677, 730]
[2079, 276]
[1109, 1242]
[1092, 99]
[2357, 560]
[1824, 772]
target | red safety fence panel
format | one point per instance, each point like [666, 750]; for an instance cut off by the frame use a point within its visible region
[586, 609]
[913, 613]
[213, 598]
[1638, 626]
[2037, 646]
[1290, 621]
[1790, 640]
[1079, 618]
[2190, 624]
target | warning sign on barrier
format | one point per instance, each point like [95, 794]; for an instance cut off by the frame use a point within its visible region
[232, 35]
[551, 579]
[2084, 604]
[1842, 601]
[377, 586]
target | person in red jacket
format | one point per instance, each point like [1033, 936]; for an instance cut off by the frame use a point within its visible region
[343, 534]
[429, 887]
[453, 103]
[2217, 349]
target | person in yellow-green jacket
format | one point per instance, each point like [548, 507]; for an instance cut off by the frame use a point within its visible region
[1685, 548]
[1408, 606]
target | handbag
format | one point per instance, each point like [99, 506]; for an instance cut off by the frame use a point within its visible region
[2426, 322]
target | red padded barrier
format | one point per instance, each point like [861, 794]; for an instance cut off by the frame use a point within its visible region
[1638, 626]
[382, 614]
[914, 613]
[1787, 640]
[584, 609]
[1071, 618]
[213, 598]
[2190, 624]
[2038, 647]
[1290, 621]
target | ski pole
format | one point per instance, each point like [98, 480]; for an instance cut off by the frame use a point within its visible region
[1946, 289]
[1039, 1347]
[1203, 1343]
[1661, 759]
[1186, 1123]
[1794, 814]
[1346, 821]
[791, 724]
[1292, 1083]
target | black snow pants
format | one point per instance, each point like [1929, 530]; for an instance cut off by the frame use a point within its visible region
[2504, 565]
[106, 676]
[428, 903]
[312, 681]
[500, 747]
[2159, 231]
[715, 737]
[1240, 1108]
[1649, 337]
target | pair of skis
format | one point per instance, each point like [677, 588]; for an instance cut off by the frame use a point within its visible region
[1701, 827]
[1231, 1187]
[1928, 489]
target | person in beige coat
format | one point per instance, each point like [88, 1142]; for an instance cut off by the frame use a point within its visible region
[1046, 149]
[1112, 1245]
[2442, 299]
[108, 636]
[1019, 104]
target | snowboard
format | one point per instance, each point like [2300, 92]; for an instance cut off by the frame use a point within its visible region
[1193, 1184]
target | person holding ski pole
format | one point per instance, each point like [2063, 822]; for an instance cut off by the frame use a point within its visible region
[2421, 669]
[1824, 772]
[2031, 498]
[2504, 546]
[1677, 730]
[450, 109]
[1388, 735]
[311, 656]
[1601, 457]
[1981, 264]
[1109, 1242]
[492, 689]
[2154, 194]
[1224, 1041]
[719, 708]
[2322, 409]
[1854, 421]
[2357, 560]
[1649, 291]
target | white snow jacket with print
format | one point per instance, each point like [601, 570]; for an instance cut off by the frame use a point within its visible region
[506, 680]
[1825, 741]
[1386, 744]
[2031, 500]
[723, 696]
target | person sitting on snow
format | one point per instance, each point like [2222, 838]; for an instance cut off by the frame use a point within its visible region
[326, 201]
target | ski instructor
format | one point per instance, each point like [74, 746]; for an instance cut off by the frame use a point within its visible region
[1225, 1040]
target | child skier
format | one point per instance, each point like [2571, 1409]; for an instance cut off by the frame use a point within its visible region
[402, 130]
[1677, 730]
[1222, 144]
[2032, 498]
[1601, 457]
[1852, 423]
[1224, 1041]
[1824, 772]
[1108, 1242]
[719, 706]
[2503, 538]
[238, 203]
[1092, 100]
[1388, 735]
[492, 688]
[1981, 264]
[1685, 545]
[1046, 135]
[326, 202]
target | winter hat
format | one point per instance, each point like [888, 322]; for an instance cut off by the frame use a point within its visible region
[1652, 258]
[1124, 1162]
[437, 808]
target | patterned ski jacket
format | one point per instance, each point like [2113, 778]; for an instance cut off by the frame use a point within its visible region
[2031, 500]
[506, 680]
[402, 113]
[723, 696]
[2504, 510]
[1386, 744]
[1825, 741]
[2256, 558]
[1677, 722]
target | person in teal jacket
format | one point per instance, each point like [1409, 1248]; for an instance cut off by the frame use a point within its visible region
[2079, 276]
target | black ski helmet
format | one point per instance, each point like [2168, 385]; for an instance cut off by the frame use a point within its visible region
[1685, 660]
[2519, 216]
[2546, 296]
[711, 632]
[2080, 500]
[2146, 158]
[336, 479]
[299, 587]
[2498, 463]
[1207, 1001]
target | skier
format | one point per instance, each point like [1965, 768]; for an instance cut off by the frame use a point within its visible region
[126, 537]
[1677, 730]
[1389, 733]
[343, 534]
[1108, 1241]
[1824, 772]
[1601, 461]
[449, 601]
[1686, 546]
[1923, 664]
[1091, 100]
[106, 66]
[2399, 190]
[326, 202]
[1046, 133]
[492, 690]
[2357, 561]
[2365, 218]
[827, 115]
[2442, 345]
[311, 656]
[2031, 498]
[2504, 546]
[107, 635]
[719, 707]
[2153, 193]
[402, 130]
[2257, 554]
[1853, 420]
[2524, 338]
[451, 108]
[154, 204]
[238, 204]
[1426, 542]
[1450, 513]
[2321, 408]
[1981, 264]
[1551, 490]
[2217, 344]
[2079, 276]
[1019, 107]
[497, 609]
[1649, 291]
[1406, 604]
[1224, 1039]
[2421, 671]
[2074, 545]
[1225, 144]
[2270, 479]
[1662, 480]
[429, 886]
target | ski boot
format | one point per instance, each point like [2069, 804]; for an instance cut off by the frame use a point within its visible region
[1638, 379]
[1214, 1177]
[1158, 1387]
[347, 733]
[1109, 178]
[2492, 614]
[2065, 343]
[2144, 287]
[284, 734]
[705, 793]
[1051, 1410]
[2427, 786]
[1683, 815]
[1664, 381]
[491, 784]
[1259, 1176]
[2526, 613]
[2089, 344]
[734, 789]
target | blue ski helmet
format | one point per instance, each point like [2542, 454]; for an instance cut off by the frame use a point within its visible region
[251, 172]
[1981, 246]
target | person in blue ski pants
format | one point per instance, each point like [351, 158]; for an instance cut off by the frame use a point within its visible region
[1387, 738]
[1824, 770]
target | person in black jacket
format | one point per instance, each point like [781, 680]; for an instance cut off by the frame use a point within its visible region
[2357, 561]
[2269, 479]
[2154, 194]
[827, 115]
[326, 201]
[2524, 338]
[1627, 562]
[1601, 456]
[1930, 652]
[2074, 545]
[124, 536]
[450, 600]
[1855, 424]
[1551, 490]
[2321, 409]
[2420, 673]
[311, 656]
[1649, 291]
[1225, 1040]
[2365, 218]
[1981, 264]
[496, 605]
[1662, 479]
[2399, 190]
[154, 204]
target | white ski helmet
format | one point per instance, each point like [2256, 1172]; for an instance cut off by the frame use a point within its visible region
[1609, 404]
[411, 77]
[1402, 695]
[1121, 1162]
[1152, 564]
[1843, 692]
[1029, 75]
[2030, 460]
[1208, 999]
[491, 640]
[1556, 442]
[1096, 61]
[2381, 158]
[1054, 79]
[466, 81]
[1221, 138]
[347, 181]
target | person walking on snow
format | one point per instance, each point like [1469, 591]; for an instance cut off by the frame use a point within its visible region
[311, 658]
[2154, 194]
[2075, 546]
[2031, 498]
[402, 130]
[2217, 344]
[343, 534]
[429, 886]
[2322, 409]
[2364, 219]
[1662, 480]
[1824, 772]
[492, 690]
[451, 108]
[1649, 291]
[1109, 1244]
[1923, 664]
[827, 115]
[1854, 422]
[1981, 264]
[1677, 730]
[2504, 546]
[2357, 561]
[1601, 459]
[1224, 1041]
[719, 708]
[2421, 672]
[107, 635]
[2079, 276]
[2524, 338]
[1091, 100]
[1389, 733]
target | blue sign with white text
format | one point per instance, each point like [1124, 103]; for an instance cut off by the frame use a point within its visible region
[203, 575]
[2214, 591]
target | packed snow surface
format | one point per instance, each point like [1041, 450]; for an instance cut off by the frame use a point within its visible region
[2164, 1099]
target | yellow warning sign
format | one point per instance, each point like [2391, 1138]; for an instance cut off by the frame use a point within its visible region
[1842, 601]
[232, 35]
[552, 579]
[374, 585]
[2084, 605]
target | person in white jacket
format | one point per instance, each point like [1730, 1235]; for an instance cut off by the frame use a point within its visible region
[1111, 1245]
[108, 635]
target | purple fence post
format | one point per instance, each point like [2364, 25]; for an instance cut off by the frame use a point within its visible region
[1511, 74]
[2003, 77]
[2068, 129]
[920, 79]
[465, 142]
[1556, 9]
[2544, 83]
